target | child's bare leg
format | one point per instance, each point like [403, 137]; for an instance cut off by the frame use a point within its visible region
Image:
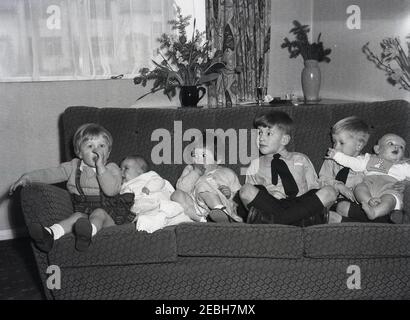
[211, 199]
[248, 193]
[342, 208]
[362, 193]
[186, 202]
[387, 204]
[327, 195]
[334, 217]
[99, 218]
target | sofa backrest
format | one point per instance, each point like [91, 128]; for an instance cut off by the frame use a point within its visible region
[146, 130]
[142, 131]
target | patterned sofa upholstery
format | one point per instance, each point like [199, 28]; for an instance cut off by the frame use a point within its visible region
[225, 261]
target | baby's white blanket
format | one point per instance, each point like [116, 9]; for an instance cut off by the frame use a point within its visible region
[155, 210]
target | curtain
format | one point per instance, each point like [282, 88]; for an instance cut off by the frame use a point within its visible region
[241, 29]
[80, 39]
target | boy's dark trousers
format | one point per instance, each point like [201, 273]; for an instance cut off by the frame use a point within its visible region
[303, 211]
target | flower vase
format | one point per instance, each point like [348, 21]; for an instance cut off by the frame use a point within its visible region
[189, 96]
[311, 78]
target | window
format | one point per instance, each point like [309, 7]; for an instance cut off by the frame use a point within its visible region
[88, 39]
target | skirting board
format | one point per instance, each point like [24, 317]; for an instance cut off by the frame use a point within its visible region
[9, 234]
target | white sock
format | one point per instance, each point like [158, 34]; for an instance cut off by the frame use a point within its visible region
[57, 230]
[94, 230]
[219, 206]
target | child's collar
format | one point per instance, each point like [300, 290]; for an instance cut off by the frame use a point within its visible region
[211, 167]
[284, 153]
[84, 165]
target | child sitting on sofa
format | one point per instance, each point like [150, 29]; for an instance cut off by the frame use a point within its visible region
[152, 205]
[206, 189]
[350, 136]
[376, 193]
[281, 186]
[93, 184]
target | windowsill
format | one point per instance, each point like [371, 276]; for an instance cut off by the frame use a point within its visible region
[56, 79]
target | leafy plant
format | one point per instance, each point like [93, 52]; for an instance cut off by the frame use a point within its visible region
[393, 60]
[183, 62]
[302, 46]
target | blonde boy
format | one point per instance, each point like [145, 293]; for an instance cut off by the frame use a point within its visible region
[350, 136]
[92, 182]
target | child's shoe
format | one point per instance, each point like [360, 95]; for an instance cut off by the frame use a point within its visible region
[252, 215]
[42, 238]
[219, 215]
[83, 233]
[399, 217]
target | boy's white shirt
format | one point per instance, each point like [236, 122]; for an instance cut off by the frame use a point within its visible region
[301, 161]
[399, 171]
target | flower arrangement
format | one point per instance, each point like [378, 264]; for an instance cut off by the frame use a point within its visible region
[302, 46]
[184, 63]
[393, 60]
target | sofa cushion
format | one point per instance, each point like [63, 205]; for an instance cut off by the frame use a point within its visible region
[117, 245]
[239, 240]
[357, 240]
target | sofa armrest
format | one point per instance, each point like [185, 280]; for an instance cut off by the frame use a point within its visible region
[44, 203]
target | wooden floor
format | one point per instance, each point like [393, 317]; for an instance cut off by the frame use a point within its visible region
[19, 279]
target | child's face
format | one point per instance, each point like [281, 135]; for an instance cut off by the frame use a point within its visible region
[202, 156]
[346, 143]
[391, 147]
[93, 146]
[272, 140]
[130, 169]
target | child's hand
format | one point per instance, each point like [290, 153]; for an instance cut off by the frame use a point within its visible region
[23, 181]
[98, 159]
[400, 186]
[225, 191]
[345, 191]
[373, 202]
[145, 190]
[99, 162]
[331, 153]
[279, 195]
[200, 169]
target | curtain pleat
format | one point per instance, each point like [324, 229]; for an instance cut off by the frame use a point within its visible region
[241, 28]
[90, 39]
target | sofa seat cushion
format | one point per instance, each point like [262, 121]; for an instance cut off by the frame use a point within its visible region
[357, 240]
[239, 240]
[118, 245]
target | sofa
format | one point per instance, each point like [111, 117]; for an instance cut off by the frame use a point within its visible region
[227, 261]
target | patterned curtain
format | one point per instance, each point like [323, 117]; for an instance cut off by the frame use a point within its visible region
[241, 29]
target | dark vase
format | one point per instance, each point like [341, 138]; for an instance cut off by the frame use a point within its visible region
[189, 96]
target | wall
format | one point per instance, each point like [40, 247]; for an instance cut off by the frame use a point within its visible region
[349, 74]
[29, 114]
[284, 73]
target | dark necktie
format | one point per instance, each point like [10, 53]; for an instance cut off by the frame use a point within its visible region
[280, 168]
[342, 174]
